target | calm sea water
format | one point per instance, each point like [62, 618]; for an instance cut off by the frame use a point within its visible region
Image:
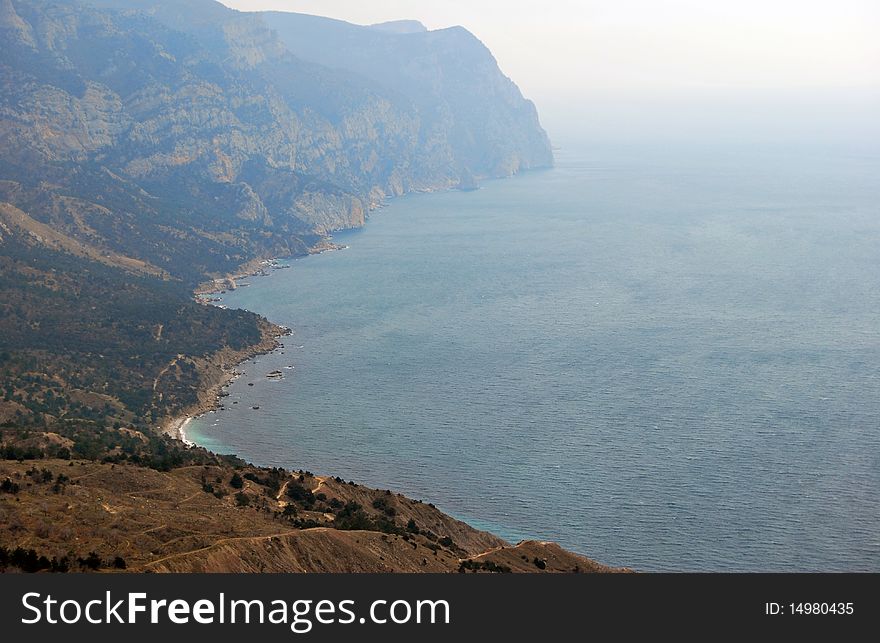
[667, 359]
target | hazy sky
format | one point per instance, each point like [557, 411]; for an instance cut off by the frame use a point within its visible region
[613, 60]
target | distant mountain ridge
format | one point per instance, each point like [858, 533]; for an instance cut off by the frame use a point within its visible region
[470, 113]
[272, 127]
[400, 26]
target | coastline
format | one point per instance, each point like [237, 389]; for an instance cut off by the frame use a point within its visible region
[216, 372]
[264, 266]
[220, 369]
[212, 394]
[177, 429]
[259, 267]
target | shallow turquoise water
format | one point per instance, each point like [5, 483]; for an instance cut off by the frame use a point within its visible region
[664, 358]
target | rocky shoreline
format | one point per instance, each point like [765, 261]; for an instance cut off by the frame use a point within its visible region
[219, 369]
[216, 372]
[259, 267]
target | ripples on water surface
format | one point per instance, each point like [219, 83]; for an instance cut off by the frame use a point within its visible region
[667, 360]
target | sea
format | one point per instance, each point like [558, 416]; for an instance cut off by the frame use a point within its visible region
[664, 357]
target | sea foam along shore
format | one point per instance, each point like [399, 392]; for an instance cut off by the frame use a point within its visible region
[176, 428]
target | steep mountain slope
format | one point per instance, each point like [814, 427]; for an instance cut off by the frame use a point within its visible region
[423, 109]
[471, 115]
[219, 144]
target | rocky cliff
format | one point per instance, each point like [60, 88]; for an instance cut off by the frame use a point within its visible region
[473, 119]
[241, 133]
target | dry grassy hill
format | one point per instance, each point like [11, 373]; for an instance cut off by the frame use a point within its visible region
[219, 518]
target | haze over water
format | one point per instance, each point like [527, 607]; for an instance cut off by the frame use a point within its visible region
[660, 357]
